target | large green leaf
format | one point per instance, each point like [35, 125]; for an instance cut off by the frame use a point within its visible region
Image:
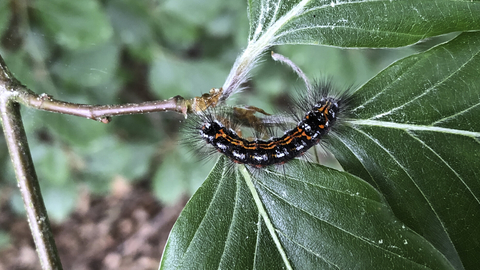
[349, 23]
[308, 217]
[416, 138]
[413, 134]
[359, 23]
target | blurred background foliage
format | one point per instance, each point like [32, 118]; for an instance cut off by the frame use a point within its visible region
[118, 51]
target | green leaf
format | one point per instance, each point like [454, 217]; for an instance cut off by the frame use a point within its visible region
[5, 239]
[172, 76]
[5, 16]
[359, 23]
[95, 65]
[352, 23]
[75, 24]
[415, 135]
[60, 201]
[311, 217]
[52, 163]
[78, 132]
[130, 160]
[178, 33]
[131, 20]
[193, 11]
[169, 180]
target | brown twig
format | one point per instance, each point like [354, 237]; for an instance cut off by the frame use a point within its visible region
[100, 113]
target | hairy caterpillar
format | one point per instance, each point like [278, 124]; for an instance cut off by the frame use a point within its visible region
[315, 113]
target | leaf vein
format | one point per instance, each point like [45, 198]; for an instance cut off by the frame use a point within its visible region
[446, 164]
[428, 90]
[298, 29]
[325, 188]
[408, 175]
[455, 115]
[235, 211]
[309, 250]
[203, 218]
[257, 243]
[263, 212]
[385, 124]
[371, 243]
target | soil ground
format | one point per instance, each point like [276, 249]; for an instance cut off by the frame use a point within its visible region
[125, 230]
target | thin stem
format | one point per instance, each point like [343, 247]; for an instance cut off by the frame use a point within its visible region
[285, 60]
[27, 180]
[100, 113]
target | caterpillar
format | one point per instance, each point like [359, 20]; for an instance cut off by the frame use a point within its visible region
[316, 113]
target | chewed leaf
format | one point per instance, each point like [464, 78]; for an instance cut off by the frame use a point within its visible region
[416, 137]
[310, 218]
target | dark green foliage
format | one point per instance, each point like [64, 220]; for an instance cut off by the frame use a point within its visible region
[409, 196]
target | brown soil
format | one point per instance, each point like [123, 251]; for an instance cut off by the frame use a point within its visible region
[125, 230]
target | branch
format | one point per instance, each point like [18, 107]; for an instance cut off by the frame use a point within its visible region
[25, 172]
[103, 113]
[12, 92]
[100, 113]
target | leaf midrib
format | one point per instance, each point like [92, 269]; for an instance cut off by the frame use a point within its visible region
[297, 29]
[412, 127]
[236, 207]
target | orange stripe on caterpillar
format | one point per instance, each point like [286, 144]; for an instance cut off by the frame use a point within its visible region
[260, 153]
[315, 113]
